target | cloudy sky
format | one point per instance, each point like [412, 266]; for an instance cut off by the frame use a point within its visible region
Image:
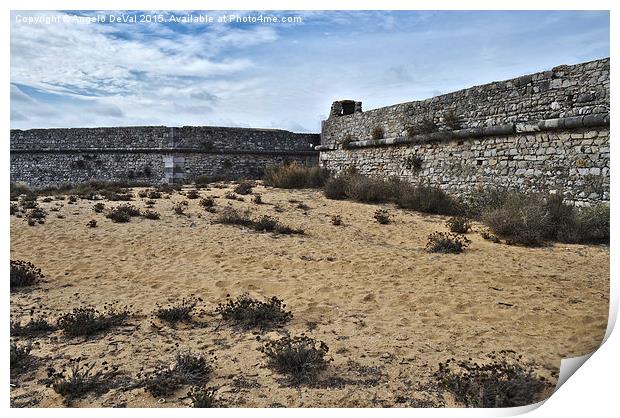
[274, 75]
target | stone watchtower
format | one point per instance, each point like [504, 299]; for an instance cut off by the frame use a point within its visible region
[345, 107]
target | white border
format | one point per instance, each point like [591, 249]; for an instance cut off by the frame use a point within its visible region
[588, 392]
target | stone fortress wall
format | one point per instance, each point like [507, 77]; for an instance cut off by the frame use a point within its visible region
[49, 157]
[547, 131]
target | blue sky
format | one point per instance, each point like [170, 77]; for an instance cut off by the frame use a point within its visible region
[276, 75]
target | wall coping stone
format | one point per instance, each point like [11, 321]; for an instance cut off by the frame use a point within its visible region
[573, 122]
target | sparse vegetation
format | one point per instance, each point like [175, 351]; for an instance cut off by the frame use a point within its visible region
[459, 224]
[19, 357]
[99, 207]
[207, 202]
[248, 312]
[231, 216]
[78, 379]
[244, 188]
[24, 273]
[192, 194]
[151, 214]
[300, 359]
[35, 326]
[257, 199]
[89, 321]
[123, 213]
[443, 242]
[499, 382]
[188, 369]
[382, 216]
[336, 220]
[181, 311]
[92, 223]
[202, 397]
[295, 176]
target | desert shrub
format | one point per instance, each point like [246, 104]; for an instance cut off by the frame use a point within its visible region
[116, 197]
[149, 203]
[89, 321]
[14, 208]
[459, 224]
[98, 207]
[499, 383]
[143, 193]
[47, 199]
[207, 202]
[442, 242]
[300, 358]
[192, 194]
[35, 326]
[295, 176]
[180, 311]
[231, 196]
[188, 369]
[205, 180]
[335, 188]
[377, 133]
[154, 194]
[248, 312]
[336, 220]
[123, 213]
[72, 199]
[19, 355]
[382, 216]
[151, 214]
[484, 200]
[24, 273]
[257, 199]
[31, 222]
[490, 237]
[202, 397]
[179, 209]
[588, 225]
[168, 188]
[231, 216]
[265, 224]
[429, 200]
[78, 380]
[92, 223]
[244, 188]
[522, 219]
[36, 213]
[18, 189]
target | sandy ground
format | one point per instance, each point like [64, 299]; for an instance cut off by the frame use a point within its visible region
[388, 310]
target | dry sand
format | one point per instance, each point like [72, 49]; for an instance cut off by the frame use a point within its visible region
[388, 310]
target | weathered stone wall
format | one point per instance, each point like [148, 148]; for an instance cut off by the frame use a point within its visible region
[545, 131]
[46, 157]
